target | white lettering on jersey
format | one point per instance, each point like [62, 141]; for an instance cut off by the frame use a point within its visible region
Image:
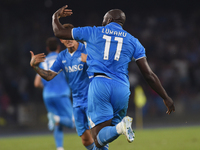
[74, 68]
[107, 31]
[111, 32]
[120, 33]
[117, 33]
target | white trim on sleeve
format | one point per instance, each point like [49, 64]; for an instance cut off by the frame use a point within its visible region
[72, 33]
[140, 58]
[56, 72]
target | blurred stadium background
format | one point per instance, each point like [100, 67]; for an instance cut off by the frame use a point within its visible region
[169, 30]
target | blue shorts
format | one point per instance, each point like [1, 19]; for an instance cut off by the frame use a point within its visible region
[60, 106]
[107, 99]
[81, 121]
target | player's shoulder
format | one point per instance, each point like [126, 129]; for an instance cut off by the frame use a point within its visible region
[63, 52]
[51, 56]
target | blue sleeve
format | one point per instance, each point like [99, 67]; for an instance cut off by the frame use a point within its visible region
[57, 65]
[83, 47]
[139, 51]
[82, 33]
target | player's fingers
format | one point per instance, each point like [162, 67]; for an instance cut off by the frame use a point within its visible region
[68, 13]
[65, 6]
[41, 55]
[40, 59]
[32, 54]
[169, 111]
[67, 10]
[173, 109]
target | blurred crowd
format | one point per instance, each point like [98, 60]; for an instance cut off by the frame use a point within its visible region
[171, 40]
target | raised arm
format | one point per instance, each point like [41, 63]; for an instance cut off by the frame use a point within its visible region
[155, 84]
[59, 31]
[35, 60]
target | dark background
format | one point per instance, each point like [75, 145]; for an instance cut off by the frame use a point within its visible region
[169, 31]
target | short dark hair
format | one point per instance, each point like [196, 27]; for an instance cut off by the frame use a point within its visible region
[52, 43]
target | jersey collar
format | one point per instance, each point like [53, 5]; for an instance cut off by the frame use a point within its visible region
[115, 24]
[80, 47]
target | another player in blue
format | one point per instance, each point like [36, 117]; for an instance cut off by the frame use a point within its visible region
[69, 60]
[110, 48]
[56, 95]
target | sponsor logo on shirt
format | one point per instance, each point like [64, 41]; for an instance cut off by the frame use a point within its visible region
[74, 68]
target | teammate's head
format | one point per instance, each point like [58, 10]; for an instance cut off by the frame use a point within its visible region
[72, 45]
[52, 44]
[114, 15]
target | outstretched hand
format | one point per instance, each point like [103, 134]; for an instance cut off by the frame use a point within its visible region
[63, 12]
[170, 105]
[36, 59]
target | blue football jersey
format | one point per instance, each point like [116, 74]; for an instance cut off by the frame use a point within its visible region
[58, 86]
[76, 74]
[110, 49]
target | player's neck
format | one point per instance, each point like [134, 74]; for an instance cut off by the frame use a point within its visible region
[71, 50]
[74, 48]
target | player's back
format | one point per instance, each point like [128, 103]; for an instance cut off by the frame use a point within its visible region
[58, 86]
[110, 49]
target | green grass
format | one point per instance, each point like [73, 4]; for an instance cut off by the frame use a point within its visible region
[180, 138]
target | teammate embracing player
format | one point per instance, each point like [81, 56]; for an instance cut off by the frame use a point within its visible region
[110, 49]
[69, 60]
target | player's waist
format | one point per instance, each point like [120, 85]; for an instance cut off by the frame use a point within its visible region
[101, 75]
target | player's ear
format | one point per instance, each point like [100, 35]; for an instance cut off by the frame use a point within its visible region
[109, 20]
[61, 40]
[47, 48]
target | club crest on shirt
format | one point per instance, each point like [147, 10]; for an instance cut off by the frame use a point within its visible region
[63, 61]
[79, 59]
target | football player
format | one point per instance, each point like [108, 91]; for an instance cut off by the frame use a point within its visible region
[69, 60]
[110, 49]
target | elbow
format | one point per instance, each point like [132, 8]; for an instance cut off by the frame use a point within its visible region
[36, 85]
[48, 79]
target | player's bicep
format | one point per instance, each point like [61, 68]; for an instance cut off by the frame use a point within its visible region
[144, 66]
[64, 33]
[57, 65]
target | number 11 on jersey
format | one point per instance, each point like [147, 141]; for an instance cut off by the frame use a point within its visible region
[107, 47]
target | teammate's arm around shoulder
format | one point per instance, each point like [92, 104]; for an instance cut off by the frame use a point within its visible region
[155, 84]
[35, 60]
